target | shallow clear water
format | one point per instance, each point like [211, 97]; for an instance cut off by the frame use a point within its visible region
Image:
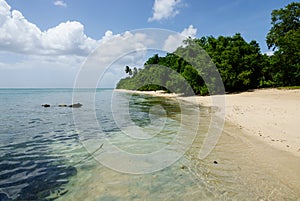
[45, 156]
[36, 143]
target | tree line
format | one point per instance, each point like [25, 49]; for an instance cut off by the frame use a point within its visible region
[240, 64]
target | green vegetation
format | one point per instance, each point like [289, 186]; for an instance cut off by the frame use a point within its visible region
[289, 87]
[241, 65]
[284, 37]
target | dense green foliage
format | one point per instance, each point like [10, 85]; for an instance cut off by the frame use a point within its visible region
[284, 37]
[241, 65]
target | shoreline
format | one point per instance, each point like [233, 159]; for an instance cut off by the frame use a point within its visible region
[270, 115]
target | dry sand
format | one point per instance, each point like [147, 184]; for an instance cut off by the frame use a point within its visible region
[271, 115]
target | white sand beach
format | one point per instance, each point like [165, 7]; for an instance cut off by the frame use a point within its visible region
[271, 115]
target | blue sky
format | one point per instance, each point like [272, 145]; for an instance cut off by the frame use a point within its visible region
[45, 43]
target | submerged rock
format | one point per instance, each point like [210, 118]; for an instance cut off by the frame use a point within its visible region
[76, 105]
[57, 194]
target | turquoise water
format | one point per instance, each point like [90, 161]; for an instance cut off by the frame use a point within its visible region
[59, 153]
[41, 148]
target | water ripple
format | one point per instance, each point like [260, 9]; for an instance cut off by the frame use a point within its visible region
[25, 165]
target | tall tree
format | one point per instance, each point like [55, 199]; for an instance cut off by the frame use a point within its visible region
[238, 61]
[284, 37]
[128, 70]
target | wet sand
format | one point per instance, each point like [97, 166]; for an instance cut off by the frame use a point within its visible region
[270, 115]
[242, 166]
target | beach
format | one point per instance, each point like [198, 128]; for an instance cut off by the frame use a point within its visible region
[241, 166]
[46, 156]
[270, 115]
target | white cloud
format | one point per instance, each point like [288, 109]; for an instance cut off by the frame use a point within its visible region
[176, 40]
[67, 38]
[4, 8]
[189, 32]
[269, 53]
[19, 35]
[164, 9]
[61, 50]
[63, 47]
[121, 44]
[60, 3]
[39, 71]
[106, 64]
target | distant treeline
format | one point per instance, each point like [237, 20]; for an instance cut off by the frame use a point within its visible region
[240, 64]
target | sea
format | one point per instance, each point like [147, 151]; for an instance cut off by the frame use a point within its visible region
[122, 146]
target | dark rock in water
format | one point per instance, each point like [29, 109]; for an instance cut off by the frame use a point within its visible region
[46, 105]
[63, 192]
[62, 105]
[215, 162]
[76, 105]
[57, 194]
